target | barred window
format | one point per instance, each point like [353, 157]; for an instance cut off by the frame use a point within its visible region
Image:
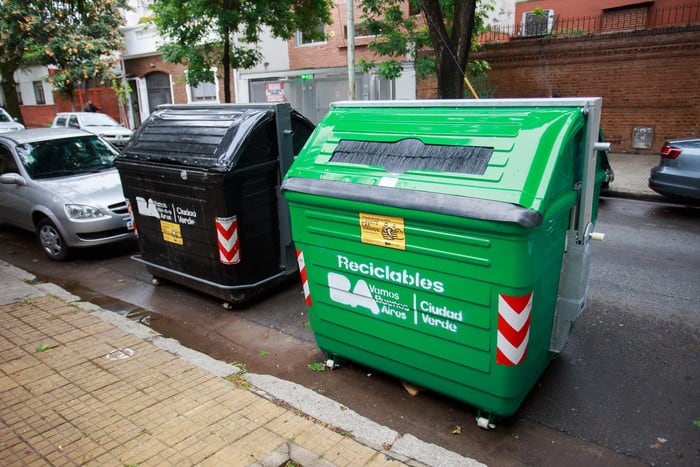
[39, 92]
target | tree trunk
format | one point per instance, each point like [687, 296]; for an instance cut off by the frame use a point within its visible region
[9, 89]
[451, 52]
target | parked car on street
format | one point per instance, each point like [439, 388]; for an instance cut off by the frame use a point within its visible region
[7, 123]
[95, 122]
[678, 174]
[62, 185]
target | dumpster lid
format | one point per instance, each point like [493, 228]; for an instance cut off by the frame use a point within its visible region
[204, 136]
[488, 151]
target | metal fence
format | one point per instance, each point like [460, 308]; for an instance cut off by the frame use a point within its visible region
[543, 23]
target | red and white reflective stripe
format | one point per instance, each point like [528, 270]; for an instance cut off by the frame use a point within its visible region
[304, 280]
[227, 238]
[131, 215]
[513, 329]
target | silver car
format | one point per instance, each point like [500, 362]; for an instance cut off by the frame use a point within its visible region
[62, 184]
[678, 174]
[95, 122]
[7, 123]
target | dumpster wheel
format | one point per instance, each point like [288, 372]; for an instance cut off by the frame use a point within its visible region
[485, 421]
[155, 280]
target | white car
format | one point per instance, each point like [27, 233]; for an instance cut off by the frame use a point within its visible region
[95, 122]
[62, 185]
[7, 123]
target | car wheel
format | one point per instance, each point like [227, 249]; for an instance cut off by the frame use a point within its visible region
[51, 240]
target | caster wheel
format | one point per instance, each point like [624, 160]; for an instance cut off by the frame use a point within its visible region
[485, 422]
[227, 306]
[155, 281]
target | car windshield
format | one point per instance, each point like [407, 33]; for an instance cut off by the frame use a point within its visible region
[5, 117]
[64, 157]
[97, 119]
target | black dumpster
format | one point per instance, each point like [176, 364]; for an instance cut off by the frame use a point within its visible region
[203, 186]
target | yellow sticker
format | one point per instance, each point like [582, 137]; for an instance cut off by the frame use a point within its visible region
[171, 232]
[383, 231]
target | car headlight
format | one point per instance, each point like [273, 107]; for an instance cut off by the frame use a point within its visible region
[82, 212]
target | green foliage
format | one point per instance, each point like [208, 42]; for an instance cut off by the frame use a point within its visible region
[44, 347]
[20, 21]
[83, 44]
[400, 36]
[396, 36]
[317, 367]
[79, 37]
[122, 90]
[205, 34]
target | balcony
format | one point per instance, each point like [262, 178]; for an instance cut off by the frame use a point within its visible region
[140, 40]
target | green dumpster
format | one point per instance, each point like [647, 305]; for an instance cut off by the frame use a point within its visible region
[447, 243]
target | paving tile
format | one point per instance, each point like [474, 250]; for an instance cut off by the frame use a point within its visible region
[103, 397]
[290, 425]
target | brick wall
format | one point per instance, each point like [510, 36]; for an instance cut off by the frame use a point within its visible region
[41, 116]
[140, 67]
[38, 116]
[333, 52]
[647, 79]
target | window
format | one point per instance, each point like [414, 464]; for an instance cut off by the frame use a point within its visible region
[537, 22]
[361, 30]
[7, 162]
[203, 92]
[39, 92]
[320, 30]
[19, 94]
[625, 18]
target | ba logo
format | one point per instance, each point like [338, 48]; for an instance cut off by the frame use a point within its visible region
[343, 292]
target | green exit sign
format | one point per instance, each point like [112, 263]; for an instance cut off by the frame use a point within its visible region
[307, 76]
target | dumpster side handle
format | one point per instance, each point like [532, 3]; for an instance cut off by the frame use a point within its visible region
[590, 157]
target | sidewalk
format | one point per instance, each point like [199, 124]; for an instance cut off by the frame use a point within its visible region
[80, 385]
[631, 176]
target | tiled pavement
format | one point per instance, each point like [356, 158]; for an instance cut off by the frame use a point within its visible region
[78, 391]
[80, 385]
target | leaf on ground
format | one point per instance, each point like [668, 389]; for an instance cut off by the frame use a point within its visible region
[696, 422]
[43, 347]
[457, 430]
[264, 353]
[315, 366]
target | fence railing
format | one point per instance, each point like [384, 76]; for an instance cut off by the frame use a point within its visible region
[541, 24]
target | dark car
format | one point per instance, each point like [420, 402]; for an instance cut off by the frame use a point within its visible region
[678, 174]
[62, 185]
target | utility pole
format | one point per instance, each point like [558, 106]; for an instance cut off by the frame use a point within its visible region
[351, 50]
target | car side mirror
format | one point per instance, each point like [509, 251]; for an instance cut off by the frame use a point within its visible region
[13, 179]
